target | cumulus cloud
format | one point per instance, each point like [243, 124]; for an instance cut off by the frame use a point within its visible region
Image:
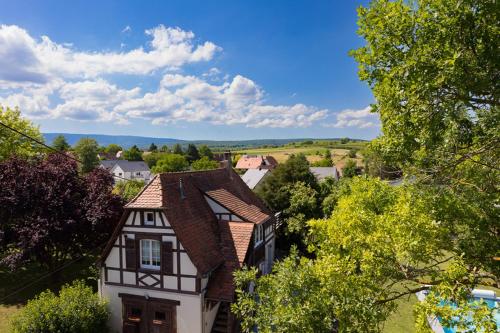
[26, 59]
[56, 80]
[363, 118]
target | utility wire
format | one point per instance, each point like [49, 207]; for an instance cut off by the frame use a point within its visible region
[50, 148]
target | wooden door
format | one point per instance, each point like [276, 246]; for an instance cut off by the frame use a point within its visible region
[161, 318]
[134, 316]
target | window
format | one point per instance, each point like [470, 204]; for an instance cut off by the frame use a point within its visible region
[150, 254]
[137, 173]
[258, 235]
[150, 218]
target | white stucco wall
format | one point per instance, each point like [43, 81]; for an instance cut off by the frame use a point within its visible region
[209, 317]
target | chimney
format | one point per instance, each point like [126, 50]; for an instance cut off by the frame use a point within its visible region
[228, 163]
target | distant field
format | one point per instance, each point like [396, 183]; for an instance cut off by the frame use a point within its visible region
[313, 152]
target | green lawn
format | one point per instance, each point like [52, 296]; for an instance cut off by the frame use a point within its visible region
[402, 320]
[11, 282]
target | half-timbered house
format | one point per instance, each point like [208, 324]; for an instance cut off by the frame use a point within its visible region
[168, 266]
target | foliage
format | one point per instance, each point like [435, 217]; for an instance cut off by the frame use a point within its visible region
[352, 153]
[303, 206]
[377, 164]
[205, 151]
[204, 164]
[113, 149]
[86, 150]
[133, 154]
[171, 163]
[274, 189]
[178, 149]
[59, 143]
[324, 162]
[349, 169]
[164, 149]
[152, 158]
[128, 189]
[153, 147]
[77, 309]
[54, 214]
[12, 143]
[344, 140]
[192, 153]
[377, 236]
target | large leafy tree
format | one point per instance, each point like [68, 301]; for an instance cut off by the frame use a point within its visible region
[59, 143]
[204, 163]
[53, 214]
[192, 153]
[128, 189]
[133, 154]
[380, 243]
[171, 163]
[86, 150]
[434, 68]
[205, 151]
[12, 143]
[112, 148]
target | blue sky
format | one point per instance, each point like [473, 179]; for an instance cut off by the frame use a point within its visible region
[186, 69]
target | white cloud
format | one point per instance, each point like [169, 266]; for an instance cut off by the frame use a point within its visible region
[126, 29]
[56, 80]
[363, 118]
[25, 59]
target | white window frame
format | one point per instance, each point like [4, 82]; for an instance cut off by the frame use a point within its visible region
[149, 254]
[258, 235]
[149, 222]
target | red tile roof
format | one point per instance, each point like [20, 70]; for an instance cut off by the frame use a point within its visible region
[181, 197]
[256, 162]
[235, 238]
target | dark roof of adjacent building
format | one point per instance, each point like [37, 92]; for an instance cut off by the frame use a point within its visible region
[212, 245]
[126, 166]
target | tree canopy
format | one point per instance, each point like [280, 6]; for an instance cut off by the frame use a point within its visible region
[177, 149]
[112, 148]
[153, 147]
[171, 163]
[192, 153]
[59, 143]
[133, 154]
[205, 151]
[204, 163]
[128, 189]
[12, 143]
[54, 214]
[86, 150]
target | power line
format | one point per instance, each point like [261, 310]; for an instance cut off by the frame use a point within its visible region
[50, 148]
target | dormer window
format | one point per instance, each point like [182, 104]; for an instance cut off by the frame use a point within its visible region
[150, 254]
[149, 218]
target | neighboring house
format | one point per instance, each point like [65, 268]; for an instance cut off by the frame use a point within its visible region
[254, 177]
[256, 162]
[323, 172]
[169, 264]
[127, 169]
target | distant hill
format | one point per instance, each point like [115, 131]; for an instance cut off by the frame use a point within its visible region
[126, 141]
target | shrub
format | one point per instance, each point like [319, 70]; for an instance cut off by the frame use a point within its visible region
[77, 309]
[352, 153]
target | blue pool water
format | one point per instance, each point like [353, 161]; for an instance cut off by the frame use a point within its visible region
[492, 304]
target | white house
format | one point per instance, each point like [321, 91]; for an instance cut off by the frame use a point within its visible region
[127, 169]
[168, 266]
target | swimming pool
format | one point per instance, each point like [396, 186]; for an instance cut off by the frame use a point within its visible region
[487, 296]
[492, 304]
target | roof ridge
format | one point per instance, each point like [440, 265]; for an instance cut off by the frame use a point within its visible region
[142, 191]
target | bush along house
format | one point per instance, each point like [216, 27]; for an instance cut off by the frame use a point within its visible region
[169, 263]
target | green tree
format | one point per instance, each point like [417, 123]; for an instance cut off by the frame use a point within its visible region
[352, 153]
[133, 154]
[349, 169]
[274, 189]
[112, 148]
[128, 189]
[86, 150]
[377, 163]
[76, 309]
[164, 149]
[344, 141]
[171, 163]
[178, 149]
[204, 164]
[59, 143]
[381, 243]
[12, 143]
[153, 147]
[192, 153]
[303, 206]
[205, 151]
[152, 159]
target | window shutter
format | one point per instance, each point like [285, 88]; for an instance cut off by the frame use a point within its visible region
[130, 254]
[168, 258]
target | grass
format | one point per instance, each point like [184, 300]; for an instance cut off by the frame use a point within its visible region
[313, 152]
[402, 320]
[11, 282]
